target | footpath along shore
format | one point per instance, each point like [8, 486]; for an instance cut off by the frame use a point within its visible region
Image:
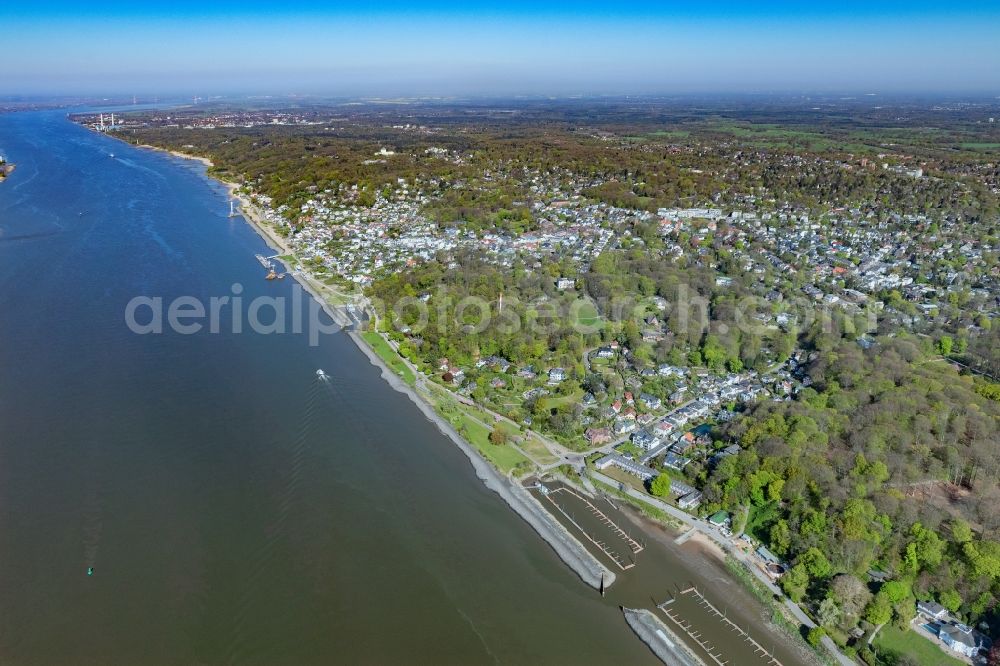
[567, 547]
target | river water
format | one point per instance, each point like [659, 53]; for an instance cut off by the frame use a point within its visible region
[234, 508]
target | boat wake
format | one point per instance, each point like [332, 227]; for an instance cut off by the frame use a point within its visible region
[239, 641]
[93, 520]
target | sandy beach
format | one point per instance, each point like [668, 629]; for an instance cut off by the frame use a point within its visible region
[176, 153]
[708, 546]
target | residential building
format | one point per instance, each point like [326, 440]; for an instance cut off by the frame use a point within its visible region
[959, 638]
[630, 466]
[690, 500]
[932, 610]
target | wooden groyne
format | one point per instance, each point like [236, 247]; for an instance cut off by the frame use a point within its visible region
[632, 544]
[677, 618]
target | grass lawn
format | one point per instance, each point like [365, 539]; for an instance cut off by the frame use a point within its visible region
[771, 135]
[915, 646]
[537, 450]
[587, 315]
[389, 355]
[504, 457]
[469, 423]
[335, 299]
[553, 401]
[672, 134]
[626, 478]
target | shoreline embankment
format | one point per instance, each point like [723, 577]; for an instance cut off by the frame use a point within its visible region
[584, 564]
[566, 546]
[663, 642]
[570, 550]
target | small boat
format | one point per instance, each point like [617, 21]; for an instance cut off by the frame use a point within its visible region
[112, 156]
[90, 571]
[320, 373]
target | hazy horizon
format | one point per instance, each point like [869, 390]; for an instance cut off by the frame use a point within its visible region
[471, 48]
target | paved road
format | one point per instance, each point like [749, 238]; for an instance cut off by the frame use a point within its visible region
[577, 458]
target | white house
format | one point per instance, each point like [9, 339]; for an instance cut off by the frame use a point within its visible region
[645, 440]
[562, 284]
[690, 500]
[932, 610]
[652, 402]
[958, 637]
[624, 426]
[641, 471]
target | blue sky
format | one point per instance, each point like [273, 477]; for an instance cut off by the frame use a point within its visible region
[471, 47]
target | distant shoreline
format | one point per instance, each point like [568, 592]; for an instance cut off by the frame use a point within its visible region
[248, 209]
[176, 153]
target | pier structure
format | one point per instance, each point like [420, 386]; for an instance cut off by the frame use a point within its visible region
[677, 618]
[634, 546]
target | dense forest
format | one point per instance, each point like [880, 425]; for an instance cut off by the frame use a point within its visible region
[888, 462]
[527, 330]
[700, 315]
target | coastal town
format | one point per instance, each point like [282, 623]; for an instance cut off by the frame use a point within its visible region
[463, 333]
[844, 255]
[635, 401]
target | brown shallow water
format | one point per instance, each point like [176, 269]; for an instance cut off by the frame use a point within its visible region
[663, 569]
[235, 509]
